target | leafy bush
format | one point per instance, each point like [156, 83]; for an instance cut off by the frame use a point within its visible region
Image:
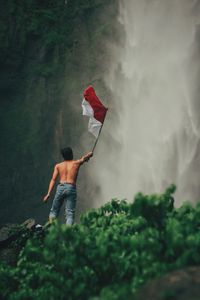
[110, 254]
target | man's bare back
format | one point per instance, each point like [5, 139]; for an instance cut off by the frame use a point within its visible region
[67, 172]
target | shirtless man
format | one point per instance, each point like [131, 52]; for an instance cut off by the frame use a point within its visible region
[66, 189]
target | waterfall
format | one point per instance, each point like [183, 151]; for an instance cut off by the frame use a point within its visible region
[151, 136]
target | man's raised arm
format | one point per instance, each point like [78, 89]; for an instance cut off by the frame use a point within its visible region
[51, 184]
[85, 158]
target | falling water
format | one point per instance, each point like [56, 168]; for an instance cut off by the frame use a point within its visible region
[151, 136]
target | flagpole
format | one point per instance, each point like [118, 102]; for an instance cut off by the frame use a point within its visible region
[99, 133]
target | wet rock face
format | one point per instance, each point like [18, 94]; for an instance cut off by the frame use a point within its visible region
[177, 285]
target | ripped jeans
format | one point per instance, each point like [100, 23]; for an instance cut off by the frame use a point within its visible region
[64, 192]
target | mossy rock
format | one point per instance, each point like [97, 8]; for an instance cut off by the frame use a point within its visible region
[7, 232]
[177, 285]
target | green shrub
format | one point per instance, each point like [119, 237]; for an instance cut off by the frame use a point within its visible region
[110, 254]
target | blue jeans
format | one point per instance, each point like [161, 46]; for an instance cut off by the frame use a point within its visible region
[67, 192]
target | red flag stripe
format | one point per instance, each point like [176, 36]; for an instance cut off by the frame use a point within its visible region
[98, 108]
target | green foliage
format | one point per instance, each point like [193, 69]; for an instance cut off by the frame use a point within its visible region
[110, 254]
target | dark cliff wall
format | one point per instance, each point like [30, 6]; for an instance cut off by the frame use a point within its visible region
[49, 52]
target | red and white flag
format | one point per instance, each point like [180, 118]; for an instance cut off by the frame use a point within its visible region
[94, 109]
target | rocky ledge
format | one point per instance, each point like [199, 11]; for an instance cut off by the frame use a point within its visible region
[13, 237]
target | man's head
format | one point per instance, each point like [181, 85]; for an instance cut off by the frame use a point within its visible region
[67, 153]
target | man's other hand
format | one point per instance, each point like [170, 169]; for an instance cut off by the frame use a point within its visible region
[45, 199]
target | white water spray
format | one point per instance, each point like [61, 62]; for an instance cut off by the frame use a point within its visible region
[151, 136]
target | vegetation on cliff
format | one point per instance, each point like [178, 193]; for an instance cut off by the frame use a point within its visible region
[46, 27]
[110, 254]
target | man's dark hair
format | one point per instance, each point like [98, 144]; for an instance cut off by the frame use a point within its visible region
[67, 153]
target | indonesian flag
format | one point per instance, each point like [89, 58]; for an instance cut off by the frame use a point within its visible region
[94, 109]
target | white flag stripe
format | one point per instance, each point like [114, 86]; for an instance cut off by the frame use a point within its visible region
[94, 126]
[87, 109]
